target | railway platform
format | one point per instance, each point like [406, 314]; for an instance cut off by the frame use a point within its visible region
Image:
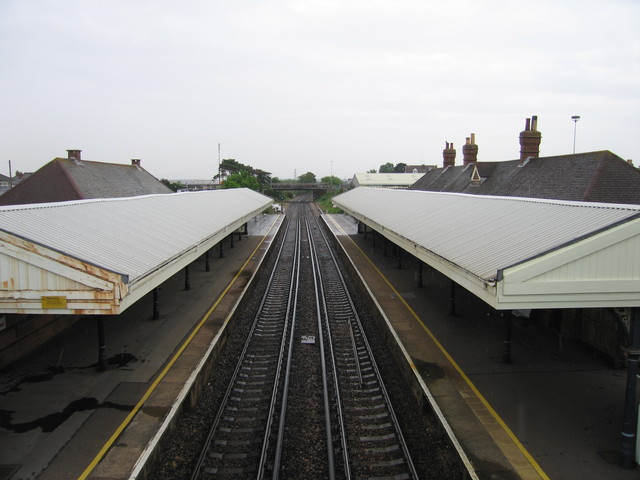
[555, 412]
[60, 418]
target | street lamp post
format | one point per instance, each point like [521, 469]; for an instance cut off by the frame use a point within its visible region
[575, 119]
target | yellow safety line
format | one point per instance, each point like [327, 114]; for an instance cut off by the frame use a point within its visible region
[94, 463]
[484, 401]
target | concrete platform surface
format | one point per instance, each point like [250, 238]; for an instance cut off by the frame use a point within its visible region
[57, 411]
[555, 412]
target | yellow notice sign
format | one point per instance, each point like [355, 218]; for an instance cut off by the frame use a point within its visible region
[54, 302]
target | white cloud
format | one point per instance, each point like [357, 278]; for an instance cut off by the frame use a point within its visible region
[298, 84]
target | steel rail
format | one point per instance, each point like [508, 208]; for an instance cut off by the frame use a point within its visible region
[290, 321]
[214, 427]
[339, 413]
[320, 308]
[387, 399]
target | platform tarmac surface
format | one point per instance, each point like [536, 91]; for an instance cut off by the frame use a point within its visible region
[562, 406]
[555, 412]
[57, 411]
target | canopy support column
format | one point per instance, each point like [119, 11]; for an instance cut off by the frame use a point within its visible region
[452, 299]
[102, 347]
[187, 283]
[207, 267]
[628, 445]
[419, 273]
[156, 303]
[506, 352]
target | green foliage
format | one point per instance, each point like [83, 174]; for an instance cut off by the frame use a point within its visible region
[390, 168]
[241, 179]
[400, 167]
[331, 180]
[175, 186]
[230, 167]
[373, 170]
[324, 202]
[307, 178]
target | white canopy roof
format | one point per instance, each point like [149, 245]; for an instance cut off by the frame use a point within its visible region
[386, 180]
[513, 252]
[121, 245]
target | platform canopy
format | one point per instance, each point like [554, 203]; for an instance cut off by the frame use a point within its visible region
[386, 180]
[513, 253]
[100, 256]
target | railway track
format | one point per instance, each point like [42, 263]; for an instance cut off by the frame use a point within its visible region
[306, 399]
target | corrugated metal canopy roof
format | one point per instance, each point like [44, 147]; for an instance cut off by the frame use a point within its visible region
[131, 236]
[386, 179]
[482, 234]
[485, 235]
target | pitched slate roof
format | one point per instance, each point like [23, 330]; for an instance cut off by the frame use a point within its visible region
[593, 177]
[65, 179]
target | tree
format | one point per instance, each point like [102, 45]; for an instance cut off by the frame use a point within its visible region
[386, 168]
[400, 167]
[175, 186]
[373, 170]
[331, 180]
[242, 179]
[307, 178]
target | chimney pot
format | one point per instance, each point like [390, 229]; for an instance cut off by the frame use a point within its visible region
[470, 150]
[135, 161]
[530, 139]
[74, 155]
[449, 155]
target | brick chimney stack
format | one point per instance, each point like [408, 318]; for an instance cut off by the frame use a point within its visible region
[449, 156]
[135, 162]
[530, 139]
[74, 155]
[470, 150]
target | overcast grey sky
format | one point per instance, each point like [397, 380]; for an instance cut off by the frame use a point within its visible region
[328, 86]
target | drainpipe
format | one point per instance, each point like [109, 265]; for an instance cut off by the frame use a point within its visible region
[628, 444]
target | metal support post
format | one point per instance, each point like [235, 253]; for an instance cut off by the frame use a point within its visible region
[156, 303]
[384, 247]
[365, 232]
[506, 352]
[452, 299]
[419, 274]
[207, 267]
[220, 245]
[373, 235]
[102, 347]
[399, 258]
[629, 425]
[231, 238]
[187, 283]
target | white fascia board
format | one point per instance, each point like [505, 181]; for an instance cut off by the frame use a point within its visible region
[599, 271]
[57, 263]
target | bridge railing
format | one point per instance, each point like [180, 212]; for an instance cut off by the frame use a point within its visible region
[304, 186]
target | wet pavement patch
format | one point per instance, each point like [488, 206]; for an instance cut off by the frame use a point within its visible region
[432, 371]
[7, 471]
[50, 422]
[122, 359]
[35, 378]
